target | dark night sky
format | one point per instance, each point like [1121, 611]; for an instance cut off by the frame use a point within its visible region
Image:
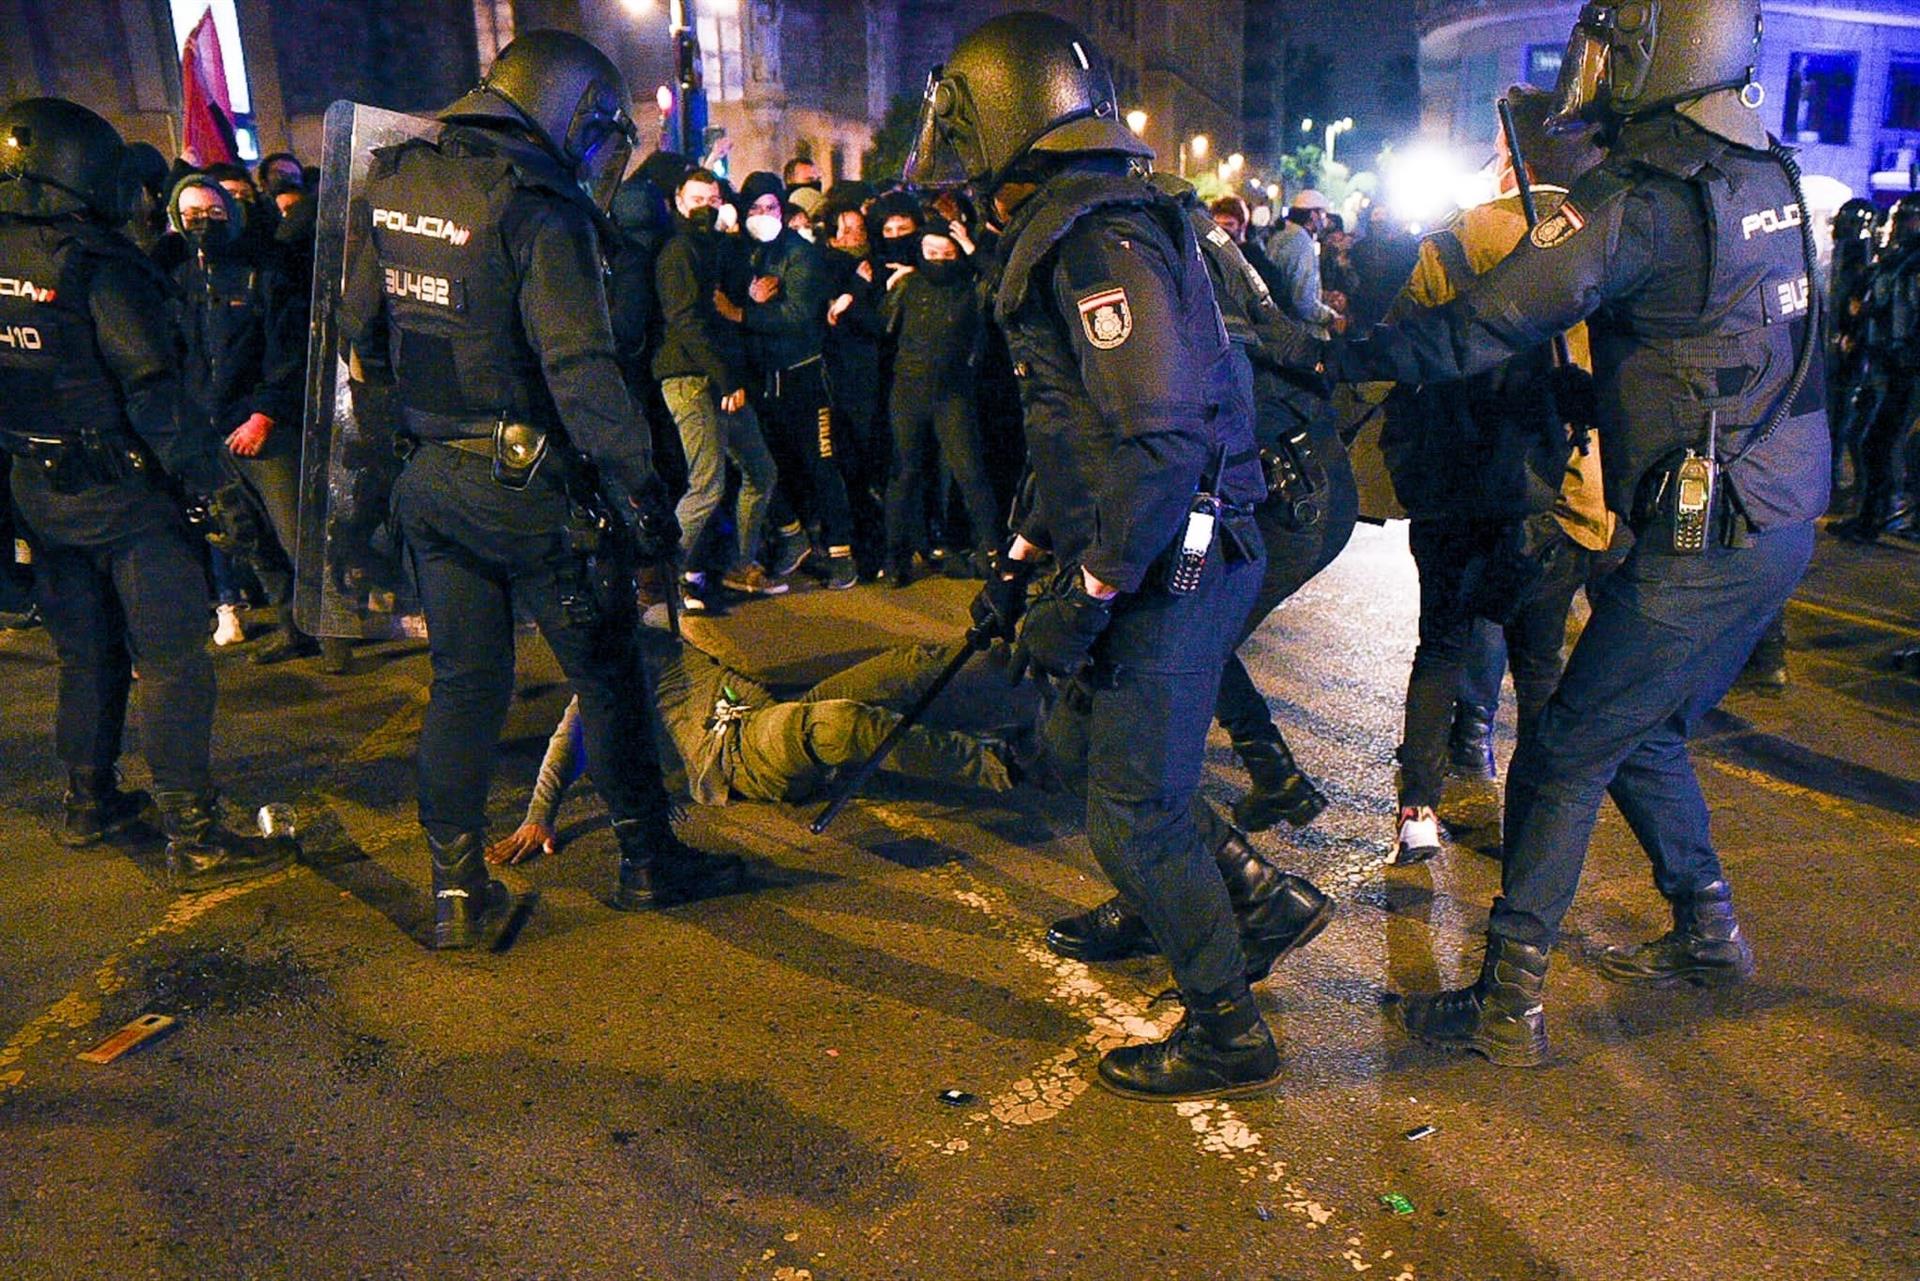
[1360, 36]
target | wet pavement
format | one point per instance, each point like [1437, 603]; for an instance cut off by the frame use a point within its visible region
[753, 1087]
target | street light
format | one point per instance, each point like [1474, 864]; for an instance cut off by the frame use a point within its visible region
[1306, 124]
[1137, 120]
[1334, 130]
[1236, 162]
[637, 7]
[1200, 145]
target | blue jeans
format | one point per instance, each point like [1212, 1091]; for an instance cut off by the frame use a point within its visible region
[709, 438]
[1667, 638]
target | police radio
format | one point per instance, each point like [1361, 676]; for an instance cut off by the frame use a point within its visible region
[1689, 497]
[1203, 517]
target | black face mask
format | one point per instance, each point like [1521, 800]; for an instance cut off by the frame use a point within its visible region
[704, 219]
[944, 271]
[899, 249]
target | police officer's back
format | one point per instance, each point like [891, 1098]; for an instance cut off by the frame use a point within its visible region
[1689, 253]
[478, 291]
[104, 443]
[1890, 338]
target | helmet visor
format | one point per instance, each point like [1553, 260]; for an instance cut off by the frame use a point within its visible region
[941, 134]
[607, 151]
[1580, 96]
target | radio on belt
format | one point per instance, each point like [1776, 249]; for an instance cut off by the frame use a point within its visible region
[1202, 519]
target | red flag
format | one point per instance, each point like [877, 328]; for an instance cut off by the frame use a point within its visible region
[206, 126]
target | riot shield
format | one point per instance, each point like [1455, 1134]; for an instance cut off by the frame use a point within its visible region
[350, 580]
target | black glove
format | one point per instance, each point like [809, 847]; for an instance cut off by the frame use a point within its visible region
[1002, 598]
[656, 531]
[1058, 635]
[1574, 397]
[230, 519]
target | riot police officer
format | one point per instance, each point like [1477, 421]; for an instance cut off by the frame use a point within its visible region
[1689, 252]
[1143, 480]
[1891, 384]
[476, 291]
[1855, 232]
[103, 438]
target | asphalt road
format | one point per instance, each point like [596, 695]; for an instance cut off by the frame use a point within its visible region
[747, 1088]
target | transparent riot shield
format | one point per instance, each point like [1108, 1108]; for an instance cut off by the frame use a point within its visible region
[349, 580]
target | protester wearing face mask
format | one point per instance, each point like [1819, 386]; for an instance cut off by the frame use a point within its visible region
[784, 317]
[933, 314]
[244, 317]
[701, 363]
[854, 382]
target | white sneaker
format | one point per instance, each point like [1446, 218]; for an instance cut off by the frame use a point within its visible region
[1419, 835]
[695, 597]
[228, 629]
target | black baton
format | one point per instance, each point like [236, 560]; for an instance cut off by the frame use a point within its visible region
[850, 785]
[1522, 179]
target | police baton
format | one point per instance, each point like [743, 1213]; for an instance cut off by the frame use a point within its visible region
[1524, 181]
[977, 640]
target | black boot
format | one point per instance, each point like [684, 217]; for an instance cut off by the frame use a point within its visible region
[97, 808]
[203, 854]
[1111, 932]
[1705, 947]
[657, 869]
[1499, 1017]
[287, 643]
[1280, 790]
[1277, 912]
[1470, 745]
[1220, 1049]
[470, 908]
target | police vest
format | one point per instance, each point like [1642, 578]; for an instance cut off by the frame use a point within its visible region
[1734, 359]
[52, 379]
[457, 345]
[1056, 405]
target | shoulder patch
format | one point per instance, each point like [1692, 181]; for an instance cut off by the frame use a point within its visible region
[1555, 230]
[1106, 317]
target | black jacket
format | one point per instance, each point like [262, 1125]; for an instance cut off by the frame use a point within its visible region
[696, 341]
[1126, 376]
[791, 327]
[245, 323]
[937, 331]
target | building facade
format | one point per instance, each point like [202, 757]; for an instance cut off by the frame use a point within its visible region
[1842, 78]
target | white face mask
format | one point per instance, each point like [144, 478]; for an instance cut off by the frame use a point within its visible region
[727, 219]
[764, 227]
[806, 233]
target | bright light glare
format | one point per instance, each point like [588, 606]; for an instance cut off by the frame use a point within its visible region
[638, 8]
[1137, 120]
[663, 98]
[1424, 183]
[1200, 145]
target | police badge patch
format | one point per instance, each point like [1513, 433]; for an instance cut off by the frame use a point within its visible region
[1559, 228]
[1107, 318]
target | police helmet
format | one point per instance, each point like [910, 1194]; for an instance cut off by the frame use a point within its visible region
[62, 145]
[1018, 84]
[1855, 220]
[1630, 57]
[1903, 224]
[569, 95]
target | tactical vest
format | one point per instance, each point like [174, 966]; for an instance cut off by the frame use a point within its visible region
[1662, 377]
[1054, 401]
[457, 345]
[52, 379]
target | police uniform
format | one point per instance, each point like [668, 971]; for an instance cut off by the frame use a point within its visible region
[1684, 253]
[1304, 524]
[93, 412]
[1892, 384]
[479, 292]
[1126, 380]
